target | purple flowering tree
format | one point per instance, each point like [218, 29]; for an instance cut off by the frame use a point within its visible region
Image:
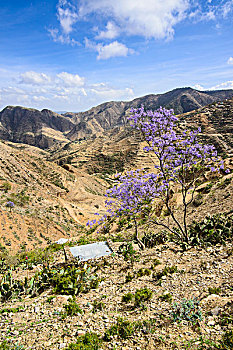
[179, 162]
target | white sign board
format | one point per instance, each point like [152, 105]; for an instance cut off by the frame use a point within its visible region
[90, 251]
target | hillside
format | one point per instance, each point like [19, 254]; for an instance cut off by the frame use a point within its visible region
[46, 129]
[64, 186]
[50, 201]
[161, 297]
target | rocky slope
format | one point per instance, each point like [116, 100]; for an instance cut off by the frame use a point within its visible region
[45, 128]
[38, 128]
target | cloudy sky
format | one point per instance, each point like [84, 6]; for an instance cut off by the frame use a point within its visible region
[69, 55]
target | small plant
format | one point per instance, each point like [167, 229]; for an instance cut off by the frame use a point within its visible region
[214, 290]
[127, 297]
[143, 272]
[166, 271]
[141, 296]
[226, 316]
[11, 309]
[123, 329]
[155, 263]
[129, 277]
[88, 341]
[10, 205]
[6, 186]
[227, 341]
[72, 308]
[6, 346]
[166, 297]
[98, 305]
[50, 299]
[212, 230]
[152, 239]
[188, 310]
[126, 249]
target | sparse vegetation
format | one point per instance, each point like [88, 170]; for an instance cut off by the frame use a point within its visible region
[187, 310]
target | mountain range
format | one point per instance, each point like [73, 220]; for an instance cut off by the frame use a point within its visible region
[45, 128]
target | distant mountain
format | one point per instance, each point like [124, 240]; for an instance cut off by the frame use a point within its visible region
[45, 128]
[37, 128]
[111, 114]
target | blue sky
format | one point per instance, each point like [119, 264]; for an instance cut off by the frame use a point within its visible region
[69, 55]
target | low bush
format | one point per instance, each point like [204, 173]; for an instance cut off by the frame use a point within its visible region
[98, 305]
[126, 249]
[211, 230]
[166, 271]
[187, 310]
[152, 239]
[122, 329]
[88, 341]
[127, 298]
[141, 296]
[71, 309]
[143, 272]
[166, 297]
[214, 290]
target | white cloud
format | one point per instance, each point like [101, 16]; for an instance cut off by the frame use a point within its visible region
[227, 8]
[150, 19]
[62, 91]
[114, 49]
[199, 87]
[34, 78]
[67, 16]
[62, 38]
[111, 32]
[71, 79]
[39, 98]
[106, 92]
[223, 86]
[230, 60]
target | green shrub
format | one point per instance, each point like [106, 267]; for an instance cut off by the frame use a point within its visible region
[98, 305]
[6, 186]
[166, 271]
[141, 296]
[166, 297]
[143, 272]
[127, 297]
[72, 308]
[126, 249]
[155, 263]
[129, 277]
[11, 309]
[152, 239]
[214, 290]
[188, 310]
[88, 341]
[123, 329]
[227, 341]
[6, 346]
[212, 230]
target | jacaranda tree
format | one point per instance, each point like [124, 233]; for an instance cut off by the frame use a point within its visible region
[179, 162]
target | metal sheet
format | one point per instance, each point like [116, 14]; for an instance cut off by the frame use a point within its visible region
[90, 251]
[62, 241]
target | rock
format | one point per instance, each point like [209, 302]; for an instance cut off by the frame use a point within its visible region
[36, 309]
[80, 332]
[215, 311]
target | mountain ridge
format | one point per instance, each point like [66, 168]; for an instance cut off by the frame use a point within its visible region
[45, 128]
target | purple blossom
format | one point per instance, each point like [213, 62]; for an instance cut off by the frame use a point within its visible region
[177, 155]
